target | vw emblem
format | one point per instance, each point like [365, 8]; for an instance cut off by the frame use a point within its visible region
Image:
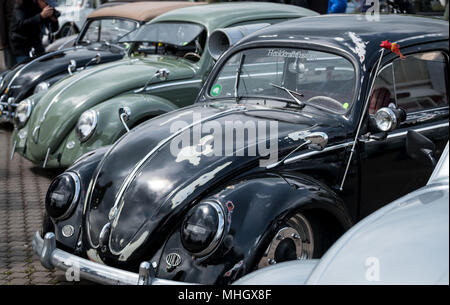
[173, 260]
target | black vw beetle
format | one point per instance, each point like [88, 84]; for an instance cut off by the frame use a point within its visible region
[97, 43]
[264, 168]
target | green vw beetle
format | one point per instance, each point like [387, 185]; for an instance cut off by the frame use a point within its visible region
[165, 68]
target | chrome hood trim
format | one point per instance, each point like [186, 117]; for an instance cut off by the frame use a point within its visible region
[114, 213]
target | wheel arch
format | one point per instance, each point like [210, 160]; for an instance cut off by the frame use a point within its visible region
[253, 226]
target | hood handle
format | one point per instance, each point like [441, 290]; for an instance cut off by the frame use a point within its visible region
[124, 116]
[161, 74]
[72, 66]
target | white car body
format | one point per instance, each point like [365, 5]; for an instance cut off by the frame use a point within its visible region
[75, 12]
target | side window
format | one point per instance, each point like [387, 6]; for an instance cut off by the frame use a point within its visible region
[418, 82]
[421, 81]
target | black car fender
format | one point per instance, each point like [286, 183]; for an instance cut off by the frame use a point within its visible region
[84, 169]
[254, 208]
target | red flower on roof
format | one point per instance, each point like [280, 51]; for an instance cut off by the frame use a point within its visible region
[393, 47]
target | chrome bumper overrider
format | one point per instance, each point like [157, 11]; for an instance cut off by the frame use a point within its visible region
[51, 257]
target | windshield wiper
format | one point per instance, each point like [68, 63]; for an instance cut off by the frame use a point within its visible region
[238, 77]
[291, 93]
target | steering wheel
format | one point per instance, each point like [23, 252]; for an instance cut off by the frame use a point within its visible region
[327, 99]
[193, 54]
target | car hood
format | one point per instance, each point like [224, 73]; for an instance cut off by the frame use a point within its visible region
[88, 88]
[25, 77]
[143, 184]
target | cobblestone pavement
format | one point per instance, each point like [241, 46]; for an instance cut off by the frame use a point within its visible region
[22, 192]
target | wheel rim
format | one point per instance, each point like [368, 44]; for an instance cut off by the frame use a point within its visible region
[293, 241]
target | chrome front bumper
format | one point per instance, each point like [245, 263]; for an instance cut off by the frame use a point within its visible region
[7, 108]
[51, 257]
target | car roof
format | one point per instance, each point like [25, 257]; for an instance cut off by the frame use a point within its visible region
[140, 11]
[354, 33]
[217, 15]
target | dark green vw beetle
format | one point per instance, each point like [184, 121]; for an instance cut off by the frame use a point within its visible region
[164, 70]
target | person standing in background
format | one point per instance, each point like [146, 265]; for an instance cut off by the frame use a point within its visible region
[337, 6]
[27, 27]
[6, 58]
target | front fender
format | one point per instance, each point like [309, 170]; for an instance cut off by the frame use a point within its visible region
[254, 208]
[84, 169]
[109, 127]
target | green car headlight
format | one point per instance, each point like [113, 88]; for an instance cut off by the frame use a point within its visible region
[23, 112]
[86, 125]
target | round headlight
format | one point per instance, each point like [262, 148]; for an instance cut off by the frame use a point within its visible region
[43, 86]
[386, 119]
[62, 195]
[202, 229]
[86, 125]
[23, 112]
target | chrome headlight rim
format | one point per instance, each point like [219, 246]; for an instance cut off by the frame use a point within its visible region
[41, 87]
[76, 195]
[83, 138]
[219, 232]
[29, 106]
[384, 115]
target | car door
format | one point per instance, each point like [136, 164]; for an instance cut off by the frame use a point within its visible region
[418, 84]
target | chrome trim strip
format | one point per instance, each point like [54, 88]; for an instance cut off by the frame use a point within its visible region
[164, 85]
[13, 150]
[315, 152]
[118, 204]
[426, 111]
[343, 145]
[54, 100]
[403, 133]
[52, 257]
[30, 63]
[46, 158]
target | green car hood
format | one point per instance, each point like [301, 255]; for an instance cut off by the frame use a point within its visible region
[57, 112]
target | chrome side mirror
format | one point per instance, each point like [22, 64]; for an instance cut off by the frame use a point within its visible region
[389, 118]
[317, 140]
[72, 66]
[124, 116]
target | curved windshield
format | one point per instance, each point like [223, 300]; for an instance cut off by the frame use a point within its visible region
[180, 39]
[107, 30]
[302, 77]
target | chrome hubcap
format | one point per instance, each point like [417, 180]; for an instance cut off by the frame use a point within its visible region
[294, 241]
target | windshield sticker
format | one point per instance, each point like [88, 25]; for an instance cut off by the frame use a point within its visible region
[305, 54]
[216, 90]
[345, 105]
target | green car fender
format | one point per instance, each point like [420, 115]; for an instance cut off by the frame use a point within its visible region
[109, 127]
[19, 137]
